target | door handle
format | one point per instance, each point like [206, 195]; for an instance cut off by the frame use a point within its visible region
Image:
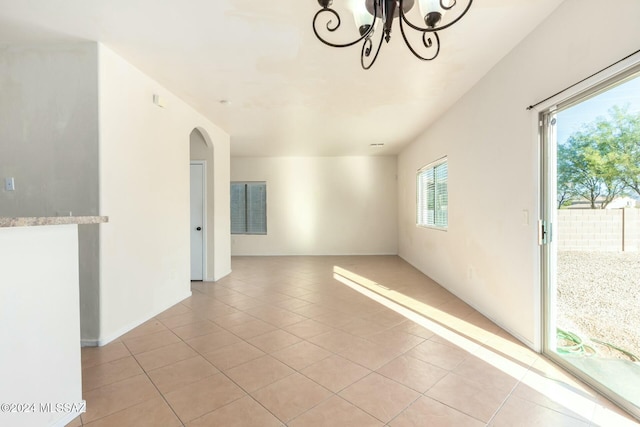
[198, 228]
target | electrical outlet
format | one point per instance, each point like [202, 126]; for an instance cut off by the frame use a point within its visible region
[9, 184]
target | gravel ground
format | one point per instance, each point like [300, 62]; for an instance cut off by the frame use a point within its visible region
[599, 297]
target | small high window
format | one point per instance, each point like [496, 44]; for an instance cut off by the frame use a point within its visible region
[433, 196]
[248, 208]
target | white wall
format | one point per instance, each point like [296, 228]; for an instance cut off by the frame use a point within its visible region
[49, 144]
[144, 189]
[40, 333]
[322, 205]
[489, 257]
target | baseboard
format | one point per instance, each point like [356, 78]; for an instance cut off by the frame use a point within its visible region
[518, 336]
[339, 254]
[220, 276]
[107, 339]
[62, 422]
[89, 343]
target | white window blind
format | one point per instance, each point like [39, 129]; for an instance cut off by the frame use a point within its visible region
[248, 208]
[433, 196]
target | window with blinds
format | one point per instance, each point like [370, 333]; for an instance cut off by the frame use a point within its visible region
[248, 208]
[433, 196]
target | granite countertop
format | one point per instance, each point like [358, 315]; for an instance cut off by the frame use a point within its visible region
[50, 220]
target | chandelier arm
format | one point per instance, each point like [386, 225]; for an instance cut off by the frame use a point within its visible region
[453, 3]
[366, 51]
[404, 18]
[332, 28]
[426, 41]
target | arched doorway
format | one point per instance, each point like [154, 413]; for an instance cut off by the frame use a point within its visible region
[201, 200]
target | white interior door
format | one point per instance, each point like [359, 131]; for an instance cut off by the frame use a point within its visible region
[197, 221]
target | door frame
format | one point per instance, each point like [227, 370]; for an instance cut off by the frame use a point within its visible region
[202, 163]
[546, 111]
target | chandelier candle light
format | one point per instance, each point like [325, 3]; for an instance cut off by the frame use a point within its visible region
[370, 14]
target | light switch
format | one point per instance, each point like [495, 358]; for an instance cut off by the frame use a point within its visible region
[9, 184]
[159, 101]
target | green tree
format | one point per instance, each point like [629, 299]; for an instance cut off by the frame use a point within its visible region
[625, 130]
[565, 186]
[601, 160]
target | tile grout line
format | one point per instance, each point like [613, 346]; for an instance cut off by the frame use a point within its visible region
[497, 411]
[322, 301]
[247, 393]
[154, 384]
[332, 353]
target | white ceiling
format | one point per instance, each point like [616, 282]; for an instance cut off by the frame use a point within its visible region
[288, 93]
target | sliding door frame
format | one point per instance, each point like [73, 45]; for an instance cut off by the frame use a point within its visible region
[548, 210]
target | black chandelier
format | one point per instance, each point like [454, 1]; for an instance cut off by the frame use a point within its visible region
[372, 13]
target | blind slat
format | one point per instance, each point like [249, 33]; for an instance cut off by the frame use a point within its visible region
[248, 208]
[238, 209]
[433, 197]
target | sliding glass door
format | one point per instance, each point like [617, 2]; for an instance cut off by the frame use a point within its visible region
[590, 236]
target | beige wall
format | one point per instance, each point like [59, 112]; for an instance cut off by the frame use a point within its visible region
[49, 144]
[49, 129]
[322, 205]
[609, 230]
[489, 257]
[79, 133]
[144, 189]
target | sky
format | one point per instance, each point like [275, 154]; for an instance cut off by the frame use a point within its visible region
[572, 119]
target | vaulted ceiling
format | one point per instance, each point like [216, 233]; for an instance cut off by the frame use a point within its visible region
[256, 69]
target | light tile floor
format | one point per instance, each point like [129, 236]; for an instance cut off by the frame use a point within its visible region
[284, 341]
